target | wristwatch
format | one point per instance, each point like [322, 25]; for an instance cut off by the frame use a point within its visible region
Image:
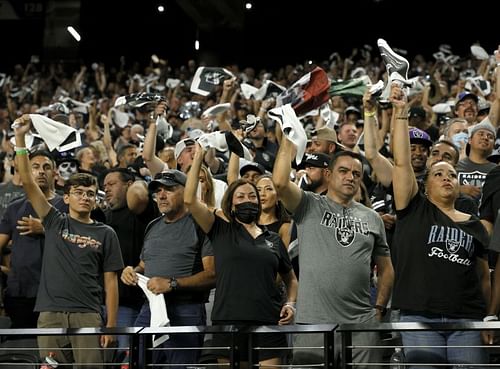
[174, 284]
[382, 309]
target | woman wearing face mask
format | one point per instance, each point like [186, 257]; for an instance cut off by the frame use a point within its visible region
[248, 258]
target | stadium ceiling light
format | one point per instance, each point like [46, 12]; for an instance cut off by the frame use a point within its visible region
[74, 33]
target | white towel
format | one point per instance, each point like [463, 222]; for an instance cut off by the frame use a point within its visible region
[55, 134]
[291, 128]
[219, 140]
[157, 307]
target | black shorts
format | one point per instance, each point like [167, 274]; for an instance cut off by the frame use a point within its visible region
[275, 341]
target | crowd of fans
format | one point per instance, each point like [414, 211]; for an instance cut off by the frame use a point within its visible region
[395, 195]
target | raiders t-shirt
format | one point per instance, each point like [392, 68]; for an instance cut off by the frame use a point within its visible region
[435, 262]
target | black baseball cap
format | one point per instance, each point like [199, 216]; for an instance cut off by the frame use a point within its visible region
[168, 178]
[317, 160]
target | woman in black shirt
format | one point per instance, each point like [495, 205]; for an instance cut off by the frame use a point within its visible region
[248, 259]
[439, 255]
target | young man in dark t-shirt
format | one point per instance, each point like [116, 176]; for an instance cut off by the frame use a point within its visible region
[81, 257]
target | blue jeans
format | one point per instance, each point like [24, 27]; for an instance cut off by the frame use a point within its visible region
[179, 315]
[126, 318]
[446, 354]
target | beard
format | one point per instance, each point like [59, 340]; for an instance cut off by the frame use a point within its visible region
[312, 187]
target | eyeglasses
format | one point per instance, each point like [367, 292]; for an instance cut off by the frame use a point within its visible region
[80, 194]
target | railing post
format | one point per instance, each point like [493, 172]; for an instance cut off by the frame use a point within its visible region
[346, 348]
[234, 354]
[147, 344]
[329, 351]
[252, 354]
[134, 351]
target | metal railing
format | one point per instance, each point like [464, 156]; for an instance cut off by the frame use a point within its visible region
[347, 347]
[140, 349]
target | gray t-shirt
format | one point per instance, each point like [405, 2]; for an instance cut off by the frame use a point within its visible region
[336, 248]
[170, 249]
[173, 250]
[9, 192]
[470, 173]
[75, 258]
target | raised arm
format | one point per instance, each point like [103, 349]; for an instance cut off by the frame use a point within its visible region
[200, 212]
[404, 181]
[35, 195]
[233, 168]
[289, 193]
[153, 162]
[494, 115]
[380, 164]
[137, 197]
[106, 139]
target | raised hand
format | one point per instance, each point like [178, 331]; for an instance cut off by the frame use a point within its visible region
[22, 125]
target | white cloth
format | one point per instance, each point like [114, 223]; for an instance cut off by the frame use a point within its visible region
[291, 128]
[157, 307]
[248, 90]
[216, 109]
[218, 140]
[220, 188]
[120, 118]
[55, 133]
[163, 127]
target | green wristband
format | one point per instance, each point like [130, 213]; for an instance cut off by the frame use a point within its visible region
[22, 151]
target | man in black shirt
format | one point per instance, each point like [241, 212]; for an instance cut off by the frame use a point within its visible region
[130, 209]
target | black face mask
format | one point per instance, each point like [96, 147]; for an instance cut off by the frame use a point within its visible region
[247, 212]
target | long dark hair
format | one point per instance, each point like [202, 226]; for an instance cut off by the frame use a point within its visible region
[227, 199]
[279, 210]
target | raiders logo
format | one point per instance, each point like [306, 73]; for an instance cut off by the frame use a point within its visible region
[269, 244]
[214, 78]
[344, 236]
[452, 246]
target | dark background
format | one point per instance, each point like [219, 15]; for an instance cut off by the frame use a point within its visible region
[271, 34]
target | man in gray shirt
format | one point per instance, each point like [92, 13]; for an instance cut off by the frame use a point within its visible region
[338, 238]
[472, 170]
[178, 259]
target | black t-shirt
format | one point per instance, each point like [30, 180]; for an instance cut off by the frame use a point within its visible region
[27, 250]
[490, 200]
[435, 262]
[433, 132]
[266, 155]
[130, 228]
[246, 271]
[75, 258]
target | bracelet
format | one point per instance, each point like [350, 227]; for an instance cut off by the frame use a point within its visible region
[291, 305]
[22, 151]
[369, 114]
[402, 118]
[490, 318]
